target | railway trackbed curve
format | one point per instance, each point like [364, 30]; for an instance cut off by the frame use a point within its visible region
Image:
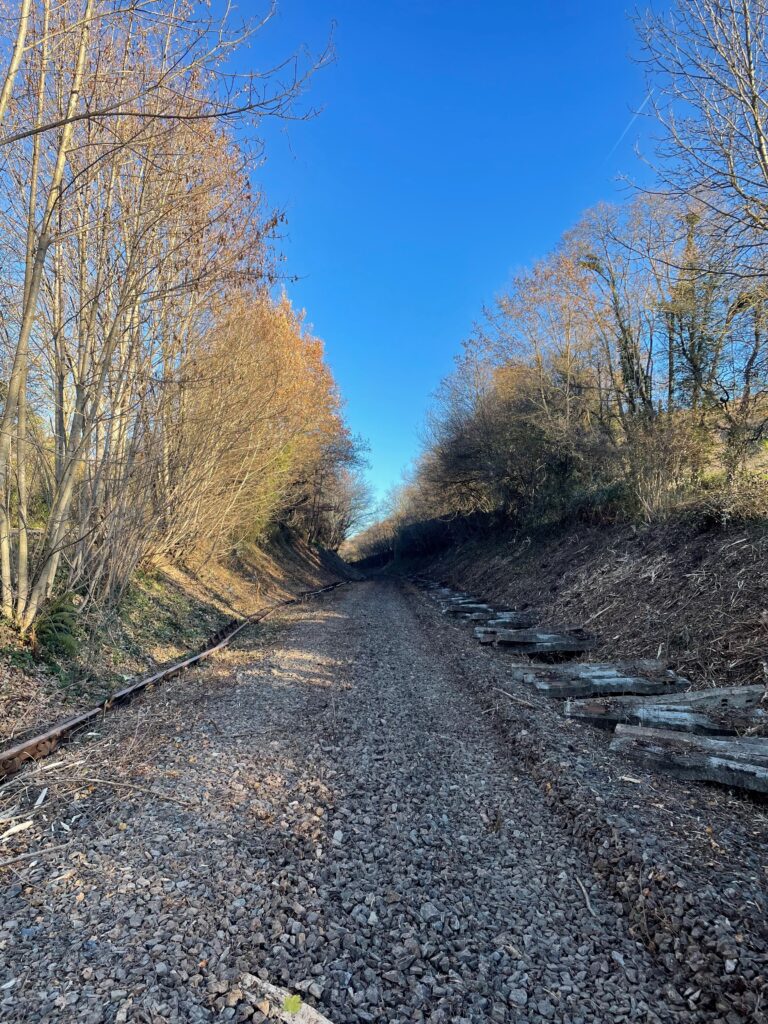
[13, 759]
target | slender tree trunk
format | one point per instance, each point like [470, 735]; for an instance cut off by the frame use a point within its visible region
[22, 554]
[32, 291]
[17, 54]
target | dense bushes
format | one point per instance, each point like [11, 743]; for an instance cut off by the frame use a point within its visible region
[623, 375]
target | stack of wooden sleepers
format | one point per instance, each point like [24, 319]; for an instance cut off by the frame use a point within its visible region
[714, 735]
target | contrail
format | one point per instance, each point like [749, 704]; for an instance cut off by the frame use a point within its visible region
[632, 120]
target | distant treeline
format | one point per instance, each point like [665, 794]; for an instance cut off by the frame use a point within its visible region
[627, 372]
[156, 400]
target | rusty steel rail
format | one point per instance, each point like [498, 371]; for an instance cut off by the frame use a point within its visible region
[14, 758]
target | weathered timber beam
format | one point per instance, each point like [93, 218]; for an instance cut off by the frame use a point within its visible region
[468, 609]
[512, 620]
[545, 639]
[740, 762]
[590, 680]
[727, 709]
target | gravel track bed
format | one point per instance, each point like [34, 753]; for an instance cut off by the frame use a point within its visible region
[341, 819]
[686, 860]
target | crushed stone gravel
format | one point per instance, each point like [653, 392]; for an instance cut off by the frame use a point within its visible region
[333, 814]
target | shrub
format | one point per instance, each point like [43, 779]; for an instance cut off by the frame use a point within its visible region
[57, 628]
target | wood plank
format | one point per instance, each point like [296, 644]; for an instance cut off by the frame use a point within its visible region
[726, 709]
[468, 609]
[273, 1000]
[527, 635]
[512, 620]
[528, 641]
[598, 679]
[541, 641]
[740, 762]
[556, 645]
[485, 635]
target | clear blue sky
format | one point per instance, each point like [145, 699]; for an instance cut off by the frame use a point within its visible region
[456, 142]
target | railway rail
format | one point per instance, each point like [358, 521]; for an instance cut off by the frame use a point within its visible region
[13, 759]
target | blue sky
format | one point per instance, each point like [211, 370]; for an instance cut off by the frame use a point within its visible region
[455, 144]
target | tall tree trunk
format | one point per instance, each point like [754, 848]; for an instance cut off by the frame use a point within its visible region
[22, 554]
[16, 55]
[33, 281]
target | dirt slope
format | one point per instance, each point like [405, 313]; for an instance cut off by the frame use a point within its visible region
[695, 595]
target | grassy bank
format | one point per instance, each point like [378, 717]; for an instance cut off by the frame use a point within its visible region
[166, 612]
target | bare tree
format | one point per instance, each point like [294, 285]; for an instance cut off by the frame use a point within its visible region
[707, 63]
[129, 223]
